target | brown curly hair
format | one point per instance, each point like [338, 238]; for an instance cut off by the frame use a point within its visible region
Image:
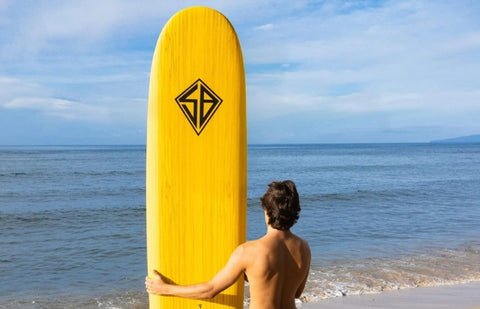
[282, 204]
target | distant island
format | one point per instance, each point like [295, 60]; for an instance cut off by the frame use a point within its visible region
[462, 139]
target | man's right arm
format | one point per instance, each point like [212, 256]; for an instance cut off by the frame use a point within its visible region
[222, 280]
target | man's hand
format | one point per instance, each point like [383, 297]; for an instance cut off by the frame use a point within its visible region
[155, 285]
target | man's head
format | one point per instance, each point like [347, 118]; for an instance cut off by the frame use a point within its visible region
[281, 204]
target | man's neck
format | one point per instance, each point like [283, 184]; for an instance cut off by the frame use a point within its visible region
[278, 233]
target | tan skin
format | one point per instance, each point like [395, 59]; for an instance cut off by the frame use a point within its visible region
[276, 266]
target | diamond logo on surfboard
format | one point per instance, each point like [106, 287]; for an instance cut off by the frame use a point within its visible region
[198, 103]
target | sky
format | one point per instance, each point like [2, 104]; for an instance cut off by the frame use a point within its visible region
[77, 72]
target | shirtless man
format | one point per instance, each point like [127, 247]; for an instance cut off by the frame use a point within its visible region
[276, 265]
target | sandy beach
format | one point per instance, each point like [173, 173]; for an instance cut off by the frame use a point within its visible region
[464, 296]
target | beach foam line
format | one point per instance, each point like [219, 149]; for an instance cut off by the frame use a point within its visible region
[439, 267]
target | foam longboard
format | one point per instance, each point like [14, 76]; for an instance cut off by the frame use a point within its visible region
[196, 155]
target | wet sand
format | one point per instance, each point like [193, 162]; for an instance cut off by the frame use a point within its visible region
[463, 296]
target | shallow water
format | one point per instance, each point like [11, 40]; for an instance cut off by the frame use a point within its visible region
[378, 217]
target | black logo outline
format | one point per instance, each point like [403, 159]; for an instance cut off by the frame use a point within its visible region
[196, 115]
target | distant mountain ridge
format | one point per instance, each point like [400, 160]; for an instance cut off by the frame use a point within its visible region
[462, 139]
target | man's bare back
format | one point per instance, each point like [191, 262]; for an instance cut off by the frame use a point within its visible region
[277, 269]
[276, 265]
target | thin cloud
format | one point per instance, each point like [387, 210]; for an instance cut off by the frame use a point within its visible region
[61, 108]
[264, 27]
[38, 103]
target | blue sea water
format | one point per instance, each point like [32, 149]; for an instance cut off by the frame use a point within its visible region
[377, 216]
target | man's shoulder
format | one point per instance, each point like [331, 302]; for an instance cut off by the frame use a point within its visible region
[251, 244]
[303, 240]
[302, 246]
[298, 239]
[253, 248]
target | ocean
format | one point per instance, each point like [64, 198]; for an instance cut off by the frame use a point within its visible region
[378, 217]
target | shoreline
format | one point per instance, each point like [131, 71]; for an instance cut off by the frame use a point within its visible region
[459, 296]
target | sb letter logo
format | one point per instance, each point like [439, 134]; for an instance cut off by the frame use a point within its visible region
[198, 103]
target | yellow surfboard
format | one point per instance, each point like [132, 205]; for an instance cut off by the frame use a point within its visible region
[196, 155]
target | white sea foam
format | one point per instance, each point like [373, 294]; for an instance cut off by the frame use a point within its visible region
[438, 267]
